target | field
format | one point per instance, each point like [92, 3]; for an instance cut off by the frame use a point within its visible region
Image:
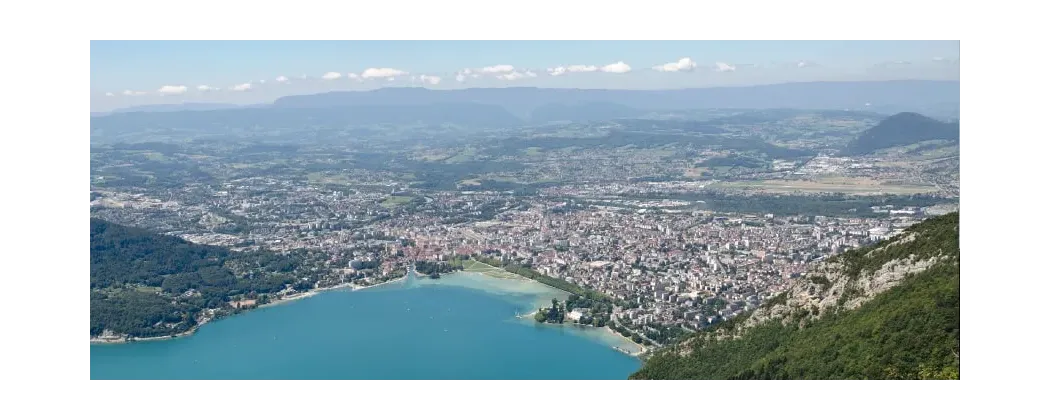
[148, 289]
[464, 156]
[472, 266]
[697, 172]
[330, 179]
[858, 186]
[394, 201]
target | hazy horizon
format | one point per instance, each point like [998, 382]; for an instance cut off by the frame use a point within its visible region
[176, 100]
[133, 73]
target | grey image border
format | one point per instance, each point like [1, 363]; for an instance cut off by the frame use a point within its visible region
[504, 382]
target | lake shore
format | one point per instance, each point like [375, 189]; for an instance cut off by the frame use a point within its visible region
[491, 284]
[283, 299]
[127, 339]
[604, 334]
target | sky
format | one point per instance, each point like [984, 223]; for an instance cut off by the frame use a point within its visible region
[129, 73]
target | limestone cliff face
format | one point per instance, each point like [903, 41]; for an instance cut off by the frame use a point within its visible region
[829, 289]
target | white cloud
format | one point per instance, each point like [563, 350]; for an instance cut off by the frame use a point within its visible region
[331, 75]
[353, 76]
[171, 90]
[433, 80]
[802, 64]
[133, 93]
[684, 64]
[723, 67]
[242, 87]
[500, 71]
[109, 93]
[617, 67]
[499, 68]
[516, 75]
[206, 88]
[281, 79]
[382, 73]
[575, 68]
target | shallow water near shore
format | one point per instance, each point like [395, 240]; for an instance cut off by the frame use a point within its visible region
[462, 326]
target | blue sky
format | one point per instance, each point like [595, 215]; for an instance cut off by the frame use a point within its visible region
[125, 73]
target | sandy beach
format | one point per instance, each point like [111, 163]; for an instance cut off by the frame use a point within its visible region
[528, 315]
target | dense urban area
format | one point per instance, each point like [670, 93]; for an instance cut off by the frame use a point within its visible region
[660, 225]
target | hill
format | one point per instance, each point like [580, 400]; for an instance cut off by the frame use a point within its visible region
[902, 129]
[889, 311]
[148, 285]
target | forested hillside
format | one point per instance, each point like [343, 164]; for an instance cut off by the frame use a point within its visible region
[889, 311]
[146, 285]
[902, 129]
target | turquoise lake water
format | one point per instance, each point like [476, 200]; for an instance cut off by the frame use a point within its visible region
[462, 326]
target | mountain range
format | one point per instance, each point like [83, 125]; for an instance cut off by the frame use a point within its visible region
[550, 104]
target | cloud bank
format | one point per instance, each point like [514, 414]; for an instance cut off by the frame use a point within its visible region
[171, 90]
[382, 73]
[684, 64]
[617, 67]
[431, 80]
[724, 67]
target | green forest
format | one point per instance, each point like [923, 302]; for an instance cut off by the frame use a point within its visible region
[149, 285]
[908, 332]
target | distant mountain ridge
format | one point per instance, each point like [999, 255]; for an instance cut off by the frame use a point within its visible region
[902, 129]
[913, 95]
[514, 105]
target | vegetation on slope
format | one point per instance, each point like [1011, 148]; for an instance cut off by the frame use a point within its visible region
[146, 285]
[910, 331]
[902, 129]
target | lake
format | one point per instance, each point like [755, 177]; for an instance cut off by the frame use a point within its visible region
[462, 326]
